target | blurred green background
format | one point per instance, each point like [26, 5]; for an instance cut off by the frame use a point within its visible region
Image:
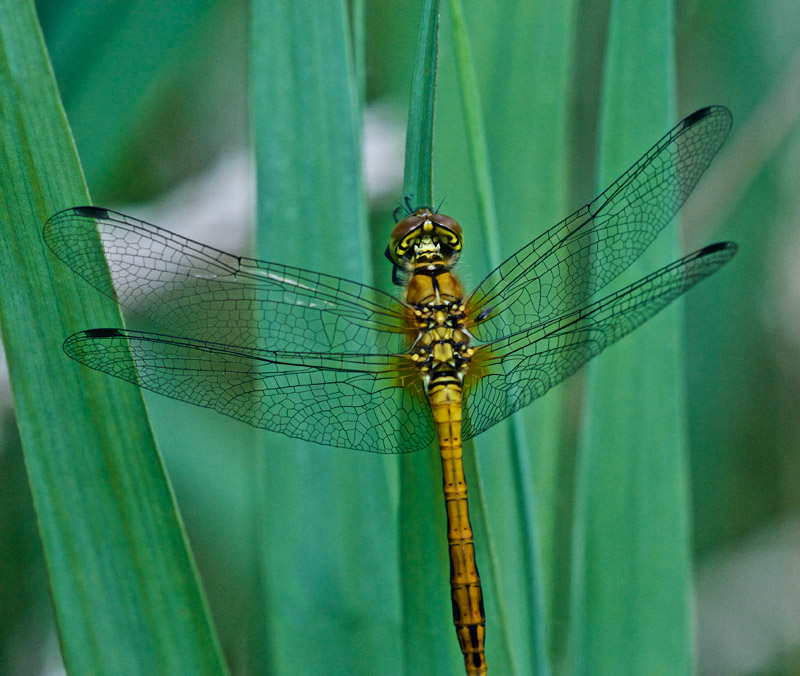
[156, 93]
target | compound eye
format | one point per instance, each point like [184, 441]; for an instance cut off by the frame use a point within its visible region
[448, 223]
[448, 232]
[404, 233]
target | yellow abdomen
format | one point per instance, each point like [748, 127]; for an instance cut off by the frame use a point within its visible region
[465, 583]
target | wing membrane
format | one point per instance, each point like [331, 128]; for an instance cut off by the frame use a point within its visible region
[509, 373]
[199, 292]
[557, 271]
[365, 402]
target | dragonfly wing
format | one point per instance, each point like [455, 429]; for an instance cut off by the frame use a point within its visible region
[199, 292]
[365, 402]
[555, 272]
[509, 373]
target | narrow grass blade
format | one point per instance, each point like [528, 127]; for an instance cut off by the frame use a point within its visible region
[125, 592]
[631, 611]
[429, 638]
[418, 178]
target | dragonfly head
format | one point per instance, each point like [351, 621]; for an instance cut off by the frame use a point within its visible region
[425, 231]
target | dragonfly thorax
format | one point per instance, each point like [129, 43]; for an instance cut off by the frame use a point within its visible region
[451, 314]
[441, 346]
[442, 352]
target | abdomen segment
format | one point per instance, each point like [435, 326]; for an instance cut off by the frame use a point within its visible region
[465, 583]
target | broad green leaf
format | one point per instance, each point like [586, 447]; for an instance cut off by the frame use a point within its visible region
[124, 588]
[522, 56]
[327, 536]
[631, 602]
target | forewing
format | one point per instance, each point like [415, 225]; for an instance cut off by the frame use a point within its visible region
[366, 402]
[199, 292]
[509, 373]
[576, 258]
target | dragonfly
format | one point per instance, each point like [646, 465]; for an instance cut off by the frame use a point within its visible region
[339, 363]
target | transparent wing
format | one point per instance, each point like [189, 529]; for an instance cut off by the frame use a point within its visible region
[576, 258]
[366, 402]
[509, 373]
[199, 292]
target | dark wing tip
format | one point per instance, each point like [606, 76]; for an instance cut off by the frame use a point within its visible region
[703, 113]
[102, 333]
[83, 212]
[90, 212]
[730, 247]
[698, 115]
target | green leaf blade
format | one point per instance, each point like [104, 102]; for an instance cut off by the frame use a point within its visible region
[125, 592]
[522, 58]
[326, 530]
[631, 600]
[418, 175]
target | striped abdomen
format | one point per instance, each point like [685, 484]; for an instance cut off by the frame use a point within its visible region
[444, 395]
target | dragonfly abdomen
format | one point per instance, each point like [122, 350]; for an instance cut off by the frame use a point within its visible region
[444, 395]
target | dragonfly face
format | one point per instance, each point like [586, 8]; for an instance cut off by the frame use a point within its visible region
[425, 233]
[339, 363]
